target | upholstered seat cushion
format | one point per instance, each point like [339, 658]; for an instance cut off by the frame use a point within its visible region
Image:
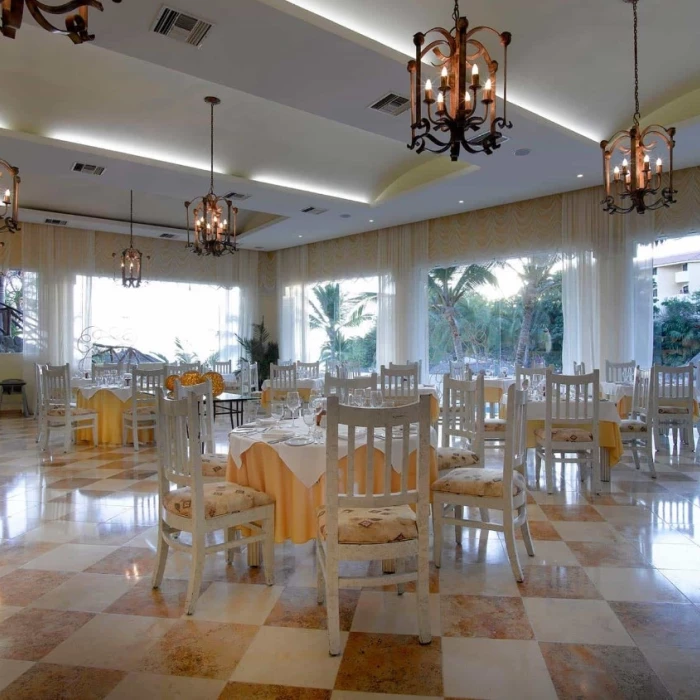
[673, 410]
[61, 412]
[372, 525]
[454, 457]
[633, 426]
[147, 410]
[495, 425]
[222, 498]
[477, 482]
[565, 435]
[214, 465]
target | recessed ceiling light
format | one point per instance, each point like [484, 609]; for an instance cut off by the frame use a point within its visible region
[580, 175]
[523, 152]
[300, 236]
[371, 221]
[461, 201]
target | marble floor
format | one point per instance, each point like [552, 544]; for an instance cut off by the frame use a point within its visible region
[610, 605]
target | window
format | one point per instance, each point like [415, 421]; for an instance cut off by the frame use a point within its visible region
[685, 289]
[685, 267]
[11, 311]
[496, 315]
[655, 271]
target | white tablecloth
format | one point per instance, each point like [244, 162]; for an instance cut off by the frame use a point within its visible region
[606, 412]
[301, 384]
[308, 462]
[616, 391]
[122, 393]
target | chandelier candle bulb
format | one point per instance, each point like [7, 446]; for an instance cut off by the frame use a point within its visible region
[440, 103]
[7, 198]
[659, 166]
[444, 78]
[428, 92]
[487, 92]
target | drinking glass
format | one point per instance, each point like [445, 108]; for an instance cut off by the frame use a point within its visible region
[308, 415]
[376, 400]
[277, 411]
[359, 397]
[293, 403]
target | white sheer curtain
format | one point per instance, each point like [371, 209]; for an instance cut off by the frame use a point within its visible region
[402, 303]
[607, 283]
[292, 277]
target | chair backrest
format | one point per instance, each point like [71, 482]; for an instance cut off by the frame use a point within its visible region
[534, 375]
[378, 424]
[179, 455]
[579, 368]
[516, 436]
[189, 367]
[408, 364]
[673, 386]
[572, 400]
[620, 372]
[55, 388]
[309, 370]
[285, 363]
[340, 387]
[249, 377]
[283, 378]
[221, 367]
[205, 409]
[100, 370]
[641, 394]
[399, 382]
[352, 370]
[461, 371]
[145, 385]
[463, 412]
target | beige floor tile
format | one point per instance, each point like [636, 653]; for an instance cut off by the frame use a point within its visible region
[59, 531]
[88, 592]
[587, 532]
[148, 685]
[10, 670]
[298, 657]
[495, 669]
[687, 582]
[633, 585]
[547, 554]
[353, 695]
[674, 556]
[8, 611]
[244, 603]
[70, 557]
[575, 622]
[678, 669]
[390, 613]
[480, 579]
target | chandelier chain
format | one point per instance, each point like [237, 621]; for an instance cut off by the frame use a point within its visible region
[131, 222]
[637, 113]
[211, 180]
[455, 13]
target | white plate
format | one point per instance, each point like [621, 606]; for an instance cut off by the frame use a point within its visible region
[299, 441]
[277, 435]
[267, 421]
[244, 430]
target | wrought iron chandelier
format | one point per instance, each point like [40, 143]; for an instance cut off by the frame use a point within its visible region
[9, 207]
[444, 117]
[632, 184]
[214, 233]
[131, 258]
[76, 21]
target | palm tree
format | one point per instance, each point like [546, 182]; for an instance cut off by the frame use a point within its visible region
[334, 311]
[537, 277]
[447, 286]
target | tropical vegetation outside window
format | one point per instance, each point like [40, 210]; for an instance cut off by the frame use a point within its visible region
[342, 322]
[496, 315]
[11, 311]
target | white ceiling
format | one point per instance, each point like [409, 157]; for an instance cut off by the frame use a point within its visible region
[293, 129]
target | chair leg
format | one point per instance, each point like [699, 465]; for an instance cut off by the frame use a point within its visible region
[45, 435]
[484, 513]
[161, 558]
[549, 471]
[333, 607]
[67, 437]
[94, 432]
[230, 537]
[135, 432]
[269, 549]
[437, 533]
[650, 458]
[509, 532]
[527, 538]
[595, 472]
[320, 581]
[538, 468]
[459, 515]
[400, 568]
[196, 569]
[635, 455]
[423, 593]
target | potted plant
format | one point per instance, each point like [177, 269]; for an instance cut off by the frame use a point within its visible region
[258, 348]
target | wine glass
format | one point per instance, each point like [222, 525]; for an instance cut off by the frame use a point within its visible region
[308, 415]
[293, 403]
[277, 411]
[376, 400]
[359, 397]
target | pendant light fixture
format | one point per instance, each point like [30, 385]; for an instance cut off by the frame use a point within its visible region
[461, 113]
[634, 183]
[214, 232]
[9, 207]
[131, 257]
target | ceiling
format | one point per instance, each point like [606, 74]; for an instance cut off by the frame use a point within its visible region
[293, 131]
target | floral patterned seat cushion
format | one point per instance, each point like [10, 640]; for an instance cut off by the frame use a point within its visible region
[61, 412]
[372, 525]
[565, 435]
[222, 498]
[214, 465]
[478, 482]
[147, 410]
[495, 425]
[673, 410]
[455, 457]
[633, 426]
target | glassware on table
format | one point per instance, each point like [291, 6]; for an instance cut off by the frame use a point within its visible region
[293, 403]
[277, 410]
[308, 415]
[376, 399]
[358, 396]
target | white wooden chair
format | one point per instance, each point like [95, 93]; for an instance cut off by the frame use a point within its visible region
[189, 367]
[673, 402]
[367, 527]
[352, 370]
[100, 370]
[142, 413]
[198, 507]
[579, 368]
[490, 489]
[620, 372]
[463, 421]
[309, 370]
[285, 363]
[171, 369]
[571, 431]
[283, 378]
[418, 364]
[461, 371]
[57, 412]
[221, 367]
[636, 429]
[38, 402]
[399, 383]
[335, 386]
[249, 382]
[534, 375]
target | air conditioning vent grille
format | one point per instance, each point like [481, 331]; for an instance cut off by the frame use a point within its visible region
[56, 222]
[167, 235]
[479, 139]
[391, 104]
[180, 26]
[87, 169]
[316, 211]
[237, 196]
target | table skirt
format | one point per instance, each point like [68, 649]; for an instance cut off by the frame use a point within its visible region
[109, 411]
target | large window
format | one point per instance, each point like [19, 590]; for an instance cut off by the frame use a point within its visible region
[496, 315]
[165, 320]
[11, 311]
[342, 321]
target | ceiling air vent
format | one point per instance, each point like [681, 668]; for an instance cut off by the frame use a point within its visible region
[314, 210]
[237, 196]
[180, 26]
[391, 104]
[87, 169]
[167, 235]
[56, 222]
[479, 139]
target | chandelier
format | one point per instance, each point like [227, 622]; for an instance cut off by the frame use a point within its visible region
[633, 184]
[131, 258]
[442, 118]
[9, 208]
[76, 22]
[213, 232]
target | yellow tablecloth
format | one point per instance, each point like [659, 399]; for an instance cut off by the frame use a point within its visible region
[624, 407]
[109, 419]
[493, 394]
[609, 434]
[295, 504]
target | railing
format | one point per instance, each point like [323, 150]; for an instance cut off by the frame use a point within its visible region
[10, 320]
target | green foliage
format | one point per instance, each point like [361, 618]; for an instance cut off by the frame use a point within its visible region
[258, 348]
[677, 330]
